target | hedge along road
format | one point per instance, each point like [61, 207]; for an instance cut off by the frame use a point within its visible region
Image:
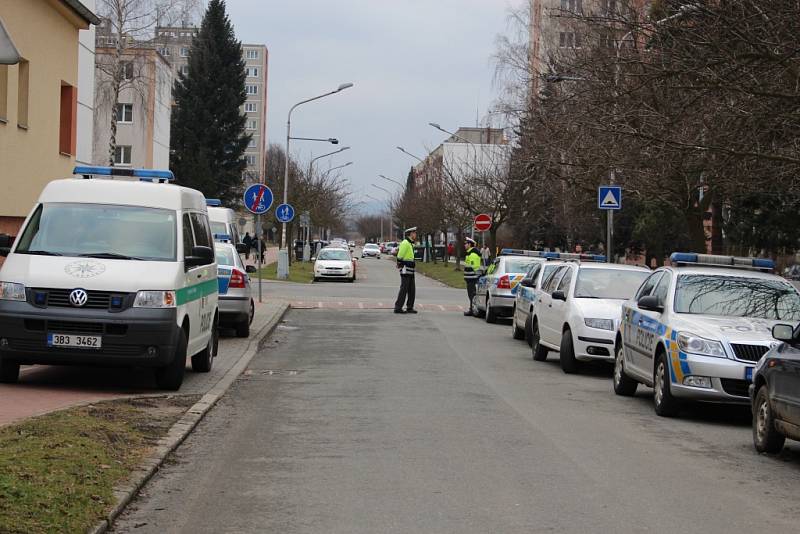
[365, 421]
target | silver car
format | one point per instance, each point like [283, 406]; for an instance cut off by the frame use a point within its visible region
[496, 290]
[236, 307]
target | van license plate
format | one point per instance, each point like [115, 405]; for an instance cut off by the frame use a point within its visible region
[74, 340]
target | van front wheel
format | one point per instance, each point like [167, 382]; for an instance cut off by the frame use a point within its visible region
[171, 375]
[9, 371]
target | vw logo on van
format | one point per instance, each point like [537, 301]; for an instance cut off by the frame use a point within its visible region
[78, 298]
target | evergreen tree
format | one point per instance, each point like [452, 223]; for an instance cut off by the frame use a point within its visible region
[207, 138]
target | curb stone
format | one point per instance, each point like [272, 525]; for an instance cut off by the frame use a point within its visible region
[181, 429]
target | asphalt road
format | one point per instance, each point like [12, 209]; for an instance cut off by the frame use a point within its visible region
[364, 421]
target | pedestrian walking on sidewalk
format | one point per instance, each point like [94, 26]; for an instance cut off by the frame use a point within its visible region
[248, 244]
[472, 271]
[406, 266]
[486, 255]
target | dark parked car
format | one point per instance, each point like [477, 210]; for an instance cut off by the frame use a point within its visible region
[775, 392]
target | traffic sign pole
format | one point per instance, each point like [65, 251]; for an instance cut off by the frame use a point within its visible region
[258, 237]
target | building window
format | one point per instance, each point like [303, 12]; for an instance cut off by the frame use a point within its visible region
[184, 51]
[250, 107]
[252, 124]
[251, 161]
[251, 89]
[251, 54]
[122, 155]
[252, 143]
[185, 70]
[22, 93]
[3, 93]
[127, 70]
[573, 6]
[609, 7]
[124, 113]
[68, 120]
[569, 40]
[164, 51]
[252, 72]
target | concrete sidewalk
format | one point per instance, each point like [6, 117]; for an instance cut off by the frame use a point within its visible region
[44, 388]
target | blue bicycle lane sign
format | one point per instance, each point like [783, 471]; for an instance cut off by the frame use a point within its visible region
[258, 198]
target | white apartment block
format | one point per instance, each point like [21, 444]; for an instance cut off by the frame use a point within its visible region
[174, 43]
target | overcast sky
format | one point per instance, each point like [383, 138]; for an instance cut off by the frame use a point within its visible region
[412, 62]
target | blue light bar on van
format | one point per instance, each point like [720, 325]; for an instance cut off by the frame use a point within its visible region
[552, 255]
[145, 175]
[713, 260]
[214, 202]
[222, 237]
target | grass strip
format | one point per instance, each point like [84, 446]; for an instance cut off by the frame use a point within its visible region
[58, 471]
[299, 272]
[443, 272]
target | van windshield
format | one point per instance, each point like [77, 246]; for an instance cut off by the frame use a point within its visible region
[100, 230]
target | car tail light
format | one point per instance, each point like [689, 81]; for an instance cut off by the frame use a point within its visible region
[238, 279]
[504, 282]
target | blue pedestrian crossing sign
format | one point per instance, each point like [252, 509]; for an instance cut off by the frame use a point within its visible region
[258, 198]
[609, 197]
[284, 213]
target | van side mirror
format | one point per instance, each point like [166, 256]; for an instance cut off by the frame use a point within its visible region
[559, 295]
[241, 248]
[650, 303]
[250, 269]
[783, 332]
[199, 256]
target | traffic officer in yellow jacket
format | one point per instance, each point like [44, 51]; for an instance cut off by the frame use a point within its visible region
[472, 271]
[406, 265]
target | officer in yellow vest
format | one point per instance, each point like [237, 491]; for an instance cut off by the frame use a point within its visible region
[472, 271]
[406, 265]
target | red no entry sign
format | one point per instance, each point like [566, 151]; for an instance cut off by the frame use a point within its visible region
[482, 222]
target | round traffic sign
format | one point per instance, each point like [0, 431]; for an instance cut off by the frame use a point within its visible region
[258, 198]
[482, 222]
[284, 213]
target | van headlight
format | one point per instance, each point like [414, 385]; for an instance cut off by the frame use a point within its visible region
[154, 299]
[602, 324]
[12, 291]
[698, 345]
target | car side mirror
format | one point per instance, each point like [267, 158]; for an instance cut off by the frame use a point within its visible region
[241, 248]
[650, 303]
[559, 295]
[199, 256]
[783, 332]
[250, 269]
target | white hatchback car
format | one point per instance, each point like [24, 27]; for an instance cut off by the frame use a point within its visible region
[371, 249]
[334, 263]
[578, 310]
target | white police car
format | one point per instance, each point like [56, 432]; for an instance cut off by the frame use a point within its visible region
[578, 308]
[495, 291]
[525, 291]
[115, 271]
[695, 330]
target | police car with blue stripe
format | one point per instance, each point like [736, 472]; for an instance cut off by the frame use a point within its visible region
[695, 330]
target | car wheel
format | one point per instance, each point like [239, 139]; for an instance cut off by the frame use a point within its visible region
[203, 360]
[528, 333]
[567, 354]
[252, 311]
[624, 385]
[664, 403]
[765, 437]
[242, 329]
[9, 371]
[171, 375]
[539, 352]
[477, 312]
[516, 332]
[490, 316]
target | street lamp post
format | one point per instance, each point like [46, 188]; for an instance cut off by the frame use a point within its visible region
[391, 219]
[283, 254]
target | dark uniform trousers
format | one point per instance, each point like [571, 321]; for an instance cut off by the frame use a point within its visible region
[471, 283]
[407, 289]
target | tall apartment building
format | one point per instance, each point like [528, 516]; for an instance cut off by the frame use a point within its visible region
[38, 100]
[174, 42]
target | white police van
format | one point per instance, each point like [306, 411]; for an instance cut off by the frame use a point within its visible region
[223, 224]
[695, 330]
[111, 272]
